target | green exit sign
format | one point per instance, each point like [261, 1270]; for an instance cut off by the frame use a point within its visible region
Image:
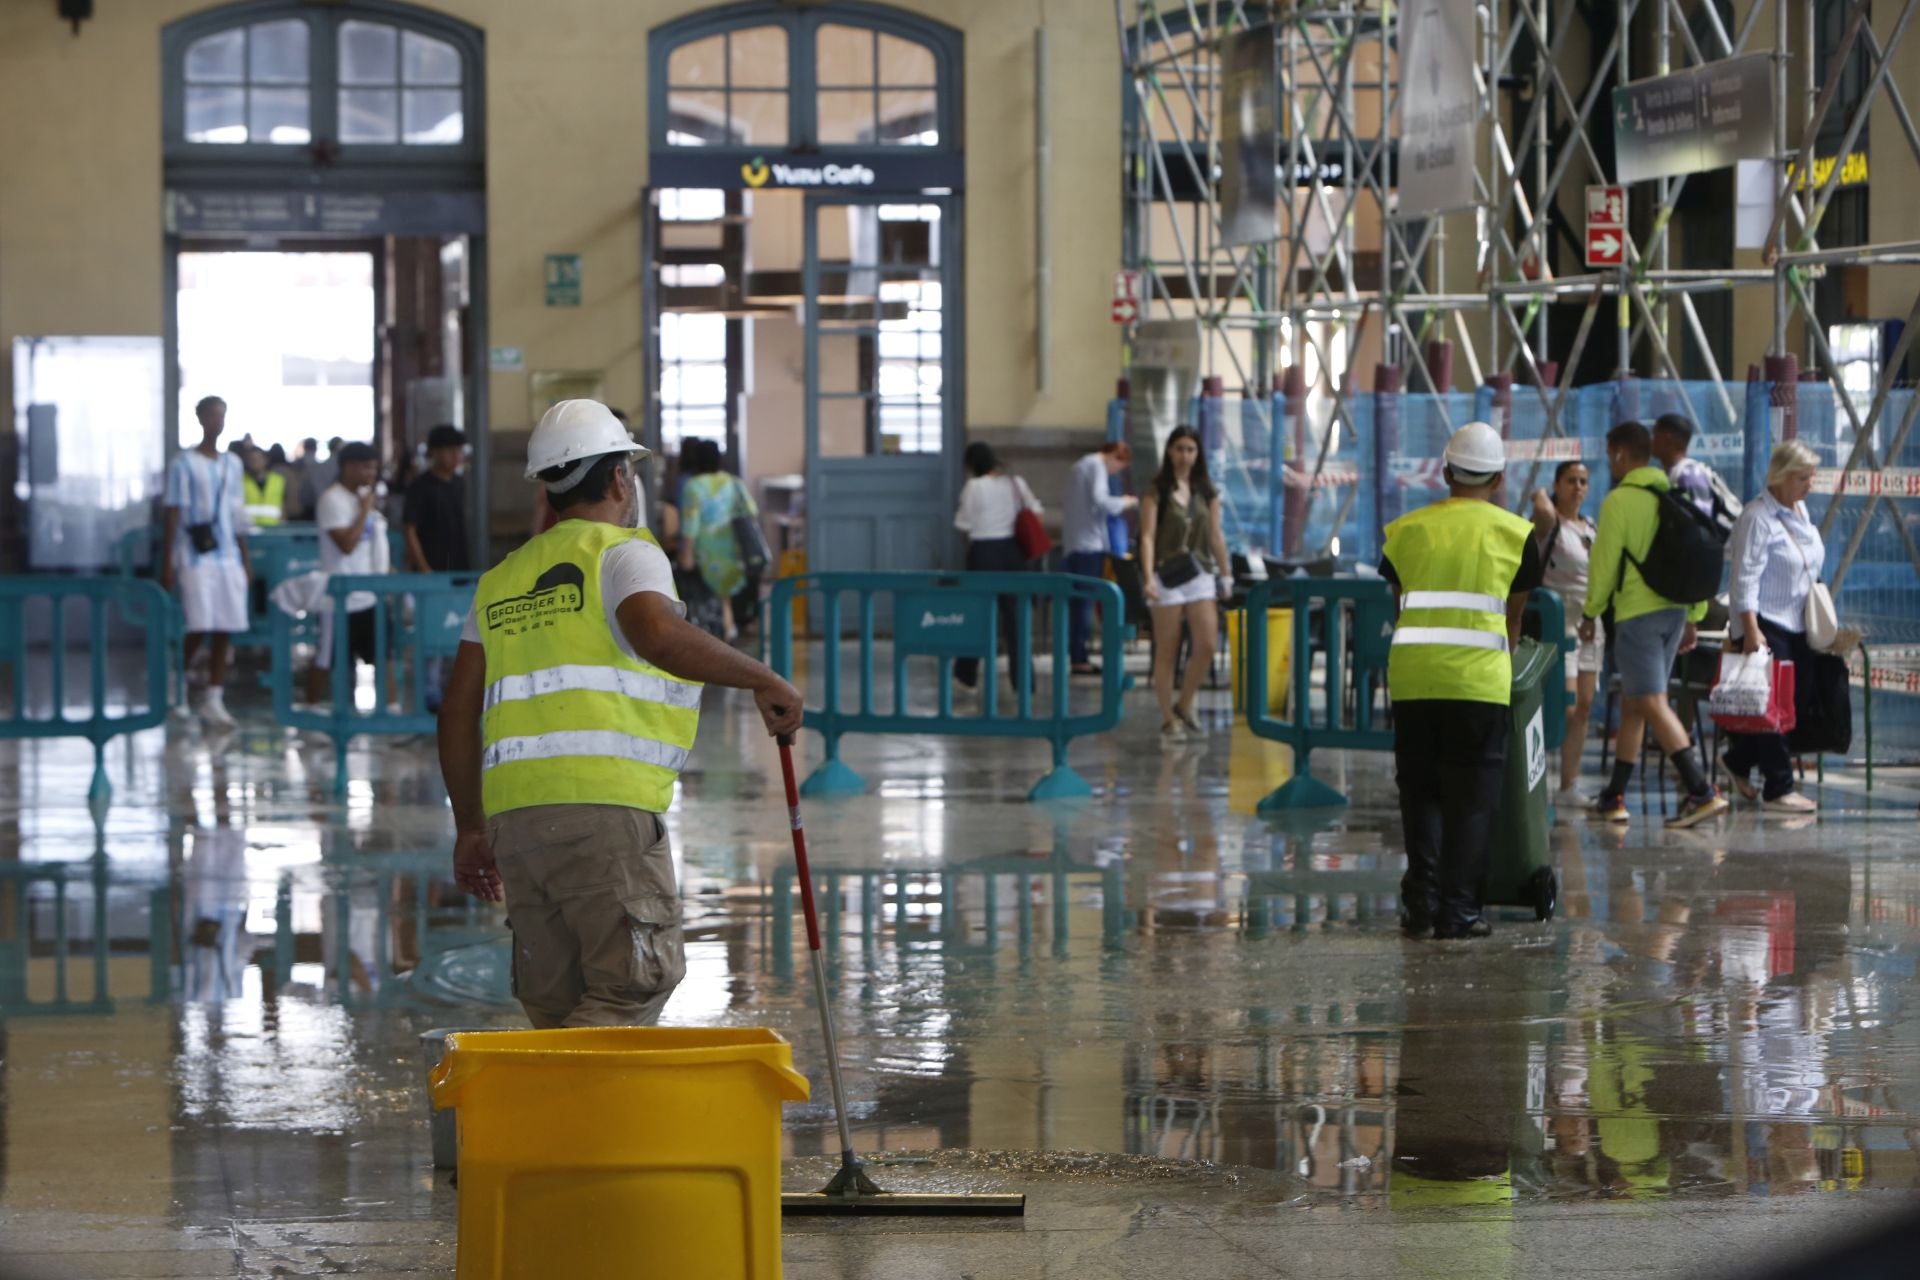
[563, 279]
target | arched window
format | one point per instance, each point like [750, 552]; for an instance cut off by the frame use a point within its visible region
[768, 77]
[289, 82]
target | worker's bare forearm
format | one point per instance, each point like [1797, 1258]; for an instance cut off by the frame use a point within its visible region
[679, 648]
[460, 764]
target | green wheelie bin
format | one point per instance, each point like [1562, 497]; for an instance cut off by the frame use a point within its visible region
[1520, 872]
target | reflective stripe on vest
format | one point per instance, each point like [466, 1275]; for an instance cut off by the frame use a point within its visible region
[1456, 561]
[571, 716]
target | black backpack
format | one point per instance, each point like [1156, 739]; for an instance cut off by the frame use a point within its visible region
[1688, 554]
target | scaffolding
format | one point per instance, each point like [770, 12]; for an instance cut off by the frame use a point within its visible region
[1350, 285]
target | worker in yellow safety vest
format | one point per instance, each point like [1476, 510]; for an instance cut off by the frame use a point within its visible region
[264, 491]
[1461, 569]
[572, 706]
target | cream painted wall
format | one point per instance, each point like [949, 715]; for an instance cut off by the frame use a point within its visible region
[80, 187]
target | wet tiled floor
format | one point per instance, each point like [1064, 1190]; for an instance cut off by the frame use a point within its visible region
[1711, 1056]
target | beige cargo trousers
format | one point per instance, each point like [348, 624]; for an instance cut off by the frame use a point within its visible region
[594, 910]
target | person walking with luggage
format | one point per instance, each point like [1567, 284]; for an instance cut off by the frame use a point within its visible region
[1777, 558]
[1084, 530]
[990, 505]
[1649, 539]
[1566, 545]
[1184, 563]
[573, 704]
[1461, 569]
[712, 499]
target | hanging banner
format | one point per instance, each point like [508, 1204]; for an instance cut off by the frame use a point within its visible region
[1439, 107]
[1162, 374]
[1250, 139]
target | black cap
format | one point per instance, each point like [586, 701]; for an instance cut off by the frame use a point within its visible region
[446, 437]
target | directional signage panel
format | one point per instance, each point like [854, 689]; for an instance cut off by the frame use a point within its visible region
[1606, 246]
[1705, 117]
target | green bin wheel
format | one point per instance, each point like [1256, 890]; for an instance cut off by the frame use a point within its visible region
[1544, 889]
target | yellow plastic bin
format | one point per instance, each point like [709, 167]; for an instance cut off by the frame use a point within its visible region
[619, 1152]
[1279, 658]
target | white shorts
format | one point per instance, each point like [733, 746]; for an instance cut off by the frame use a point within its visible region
[1585, 655]
[214, 597]
[1201, 588]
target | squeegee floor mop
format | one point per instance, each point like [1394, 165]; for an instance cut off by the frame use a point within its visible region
[851, 1190]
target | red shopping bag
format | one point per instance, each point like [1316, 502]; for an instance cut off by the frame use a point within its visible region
[1734, 705]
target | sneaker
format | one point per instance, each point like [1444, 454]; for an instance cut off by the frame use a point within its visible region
[1086, 668]
[1418, 928]
[1791, 802]
[1606, 808]
[1475, 928]
[1741, 782]
[1172, 733]
[1697, 809]
[1570, 798]
[213, 709]
[1187, 722]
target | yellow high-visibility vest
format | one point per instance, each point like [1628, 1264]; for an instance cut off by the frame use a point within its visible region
[1456, 561]
[571, 717]
[266, 501]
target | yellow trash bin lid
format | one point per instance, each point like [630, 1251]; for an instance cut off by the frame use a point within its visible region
[470, 1052]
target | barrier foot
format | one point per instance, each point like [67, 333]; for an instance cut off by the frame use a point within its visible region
[1303, 792]
[833, 778]
[1062, 784]
[100, 792]
[339, 766]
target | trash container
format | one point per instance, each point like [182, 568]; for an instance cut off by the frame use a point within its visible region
[1521, 869]
[595, 1153]
[446, 1145]
[1279, 658]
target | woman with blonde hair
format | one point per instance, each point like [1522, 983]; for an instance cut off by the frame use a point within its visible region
[1777, 556]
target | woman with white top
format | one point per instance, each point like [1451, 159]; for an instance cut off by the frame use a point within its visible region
[1566, 544]
[1777, 555]
[990, 502]
[1183, 560]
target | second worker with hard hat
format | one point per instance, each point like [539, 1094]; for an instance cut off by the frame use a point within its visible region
[1461, 569]
[572, 705]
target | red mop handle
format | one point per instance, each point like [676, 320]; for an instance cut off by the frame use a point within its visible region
[799, 841]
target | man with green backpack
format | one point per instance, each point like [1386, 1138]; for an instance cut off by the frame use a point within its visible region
[1657, 560]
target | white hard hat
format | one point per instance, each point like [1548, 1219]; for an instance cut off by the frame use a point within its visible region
[1477, 450]
[574, 430]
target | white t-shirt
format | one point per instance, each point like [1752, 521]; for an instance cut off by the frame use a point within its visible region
[989, 504]
[339, 508]
[626, 569]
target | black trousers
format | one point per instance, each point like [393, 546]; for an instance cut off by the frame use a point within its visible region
[1450, 759]
[1769, 752]
[994, 555]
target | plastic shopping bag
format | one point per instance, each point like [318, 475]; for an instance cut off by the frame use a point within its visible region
[1754, 694]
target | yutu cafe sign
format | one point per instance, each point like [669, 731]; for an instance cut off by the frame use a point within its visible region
[903, 169]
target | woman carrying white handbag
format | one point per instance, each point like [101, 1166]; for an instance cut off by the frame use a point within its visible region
[1778, 603]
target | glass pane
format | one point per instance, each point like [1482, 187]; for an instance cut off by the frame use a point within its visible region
[696, 119]
[692, 204]
[424, 60]
[841, 363]
[221, 57]
[432, 117]
[846, 116]
[758, 58]
[699, 62]
[843, 427]
[369, 54]
[216, 114]
[761, 118]
[278, 116]
[907, 118]
[369, 115]
[902, 62]
[843, 55]
[277, 52]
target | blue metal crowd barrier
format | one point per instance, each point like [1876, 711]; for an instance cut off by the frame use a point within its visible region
[1355, 618]
[945, 617]
[139, 609]
[417, 619]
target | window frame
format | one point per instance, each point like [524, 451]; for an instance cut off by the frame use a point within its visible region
[324, 152]
[803, 86]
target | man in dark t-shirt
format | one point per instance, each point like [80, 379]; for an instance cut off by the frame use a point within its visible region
[436, 509]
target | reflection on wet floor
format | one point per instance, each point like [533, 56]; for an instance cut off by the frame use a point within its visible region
[224, 981]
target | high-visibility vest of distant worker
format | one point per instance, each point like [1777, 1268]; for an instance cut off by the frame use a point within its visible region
[573, 704]
[265, 497]
[1461, 569]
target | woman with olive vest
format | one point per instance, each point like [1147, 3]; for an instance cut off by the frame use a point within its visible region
[1461, 569]
[1183, 560]
[573, 704]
